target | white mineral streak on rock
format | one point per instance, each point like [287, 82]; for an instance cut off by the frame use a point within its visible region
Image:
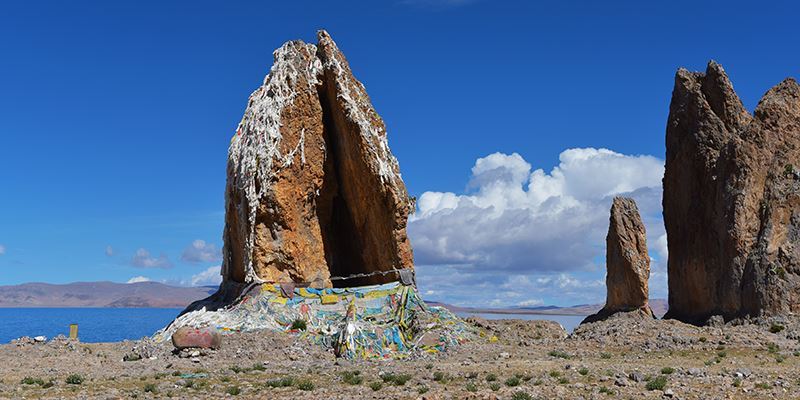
[256, 143]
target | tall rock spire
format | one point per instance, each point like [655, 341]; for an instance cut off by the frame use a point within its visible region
[313, 190]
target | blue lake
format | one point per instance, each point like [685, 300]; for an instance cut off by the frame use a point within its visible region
[116, 324]
[94, 324]
[569, 322]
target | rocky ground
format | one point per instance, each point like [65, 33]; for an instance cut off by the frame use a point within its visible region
[624, 357]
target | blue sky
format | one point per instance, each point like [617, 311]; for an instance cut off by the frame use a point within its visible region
[115, 120]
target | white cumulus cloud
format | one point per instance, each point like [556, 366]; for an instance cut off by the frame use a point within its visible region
[137, 279]
[200, 251]
[516, 220]
[208, 277]
[143, 259]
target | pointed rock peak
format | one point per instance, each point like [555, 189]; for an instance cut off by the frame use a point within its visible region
[781, 101]
[722, 98]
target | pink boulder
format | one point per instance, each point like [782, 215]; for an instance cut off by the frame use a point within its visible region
[205, 338]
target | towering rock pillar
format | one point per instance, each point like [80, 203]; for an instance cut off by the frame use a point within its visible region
[627, 262]
[731, 199]
[313, 190]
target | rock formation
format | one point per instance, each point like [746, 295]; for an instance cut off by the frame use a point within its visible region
[313, 190]
[732, 199]
[627, 262]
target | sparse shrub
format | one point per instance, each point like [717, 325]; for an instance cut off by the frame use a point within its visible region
[286, 381]
[703, 339]
[304, 384]
[74, 379]
[494, 386]
[31, 381]
[471, 387]
[606, 391]
[491, 377]
[658, 383]
[225, 379]
[397, 379]
[48, 384]
[763, 385]
[299, 324]
[555, 374]
[422, 389]
[722, 354]
[563, 381]
[667, 370]
[584, 371]
[780, 358]
[773, 348]
[605, 356]
[150, 388]
[775, 328]
[233, 391]
[559, 354]
[537, 382]
[176, 373]
[737, 382]
[237, 369]
[259, 367]
[428, 366]
[521, 396]
[352, 377]
[375, 386]
[513, 381]
[440, 377]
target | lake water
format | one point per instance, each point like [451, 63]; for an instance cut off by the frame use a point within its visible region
[94, 324]
[569, 322]
[116, 324]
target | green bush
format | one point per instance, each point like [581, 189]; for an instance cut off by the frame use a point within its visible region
[494, 386]
[521, 396]
[513, 381]
[352, 377]
[584, 371]
[422, 389]
[491, 377]
[259, 367]
[305, 384]
[658, 383]
[375, 386]
[440, 377]
[233, 391]
[667, 370]
[74, 379]
[299, 324]
[471, 387]
[559, 354]
[286, 381]
[605, 356]
[775, 328]
[150, 388]
[31, 381]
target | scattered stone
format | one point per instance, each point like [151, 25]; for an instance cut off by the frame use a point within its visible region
[39, 339]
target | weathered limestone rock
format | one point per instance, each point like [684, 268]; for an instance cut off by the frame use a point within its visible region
[313, 190]
[627, 262]
[732, 199]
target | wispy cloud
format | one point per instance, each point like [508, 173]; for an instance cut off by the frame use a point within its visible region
[137, 279]
[143, 259]
[2, 249]
[200, 251]
[109, 251]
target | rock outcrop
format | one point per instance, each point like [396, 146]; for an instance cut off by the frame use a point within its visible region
[732, 199]
[627, 262]
[313, 190]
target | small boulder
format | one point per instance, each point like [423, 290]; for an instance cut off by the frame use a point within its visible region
[205, 338]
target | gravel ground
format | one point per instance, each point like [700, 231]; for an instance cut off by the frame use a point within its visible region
[624, 357]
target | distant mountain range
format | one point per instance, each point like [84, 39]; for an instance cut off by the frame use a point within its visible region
[101, 294]
[159, 295]
[659, 307]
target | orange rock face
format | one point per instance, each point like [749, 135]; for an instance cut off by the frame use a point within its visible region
[313, 190]
[732, 199]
